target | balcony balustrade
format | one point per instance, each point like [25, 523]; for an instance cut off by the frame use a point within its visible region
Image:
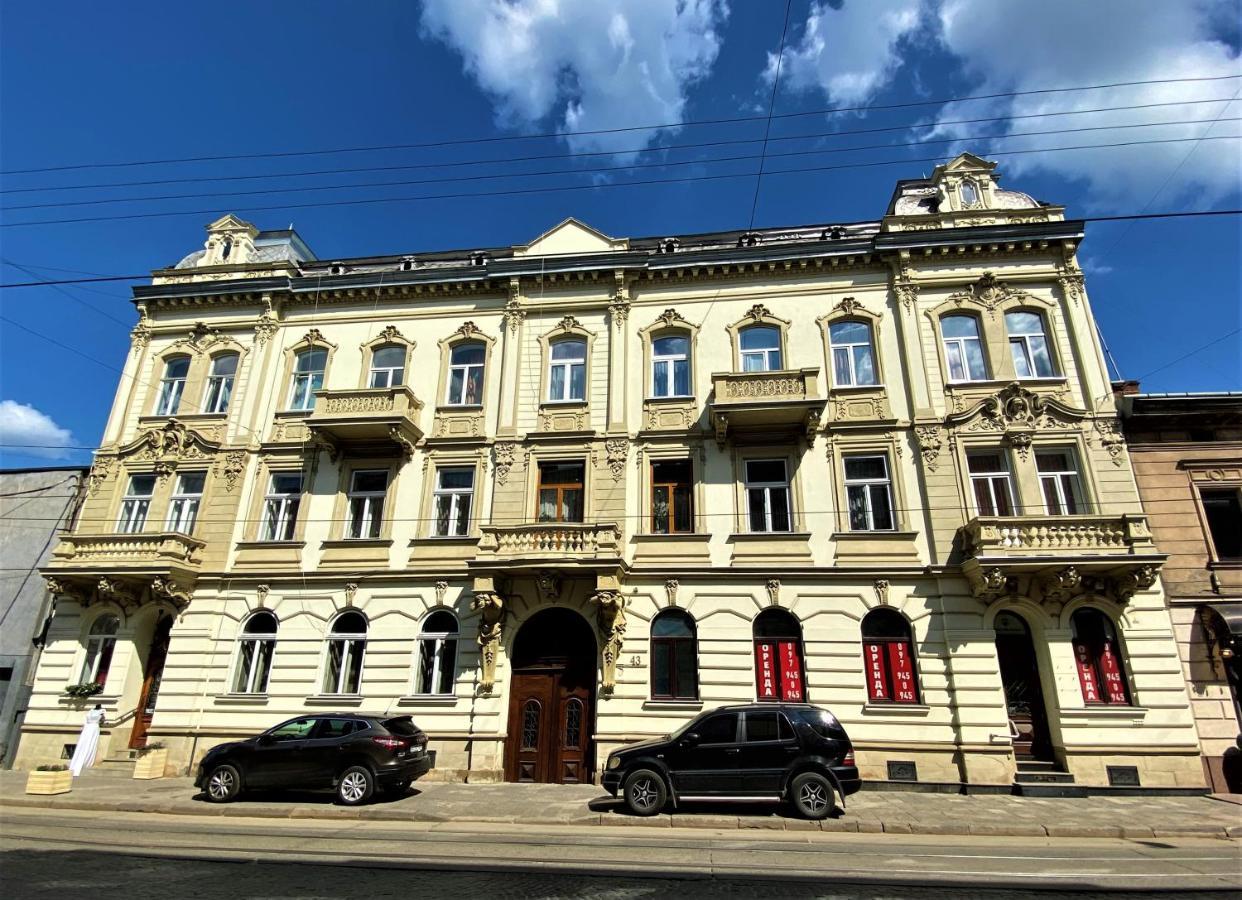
[127, 569]
[362, 417]
[551, 542]
[760, 402]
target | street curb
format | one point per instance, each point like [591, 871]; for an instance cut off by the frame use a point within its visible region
[675, 820]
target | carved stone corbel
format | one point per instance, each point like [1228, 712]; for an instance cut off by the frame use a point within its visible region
[773, 587]
[110, 589]
[60, 588]
[491, 609]
[1134, 580]
[612, 626]
[167, 589]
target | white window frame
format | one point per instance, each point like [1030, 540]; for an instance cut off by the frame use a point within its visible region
[307, 378]
[439, 660]
[393, 376]
[280, 510]
[670, 360]
[567, 365]
[766, 354]
[867, 485]
[455, 497]
[1006, 475]
[1020, 342]
[850, 348]
[247, 665]
[1056, 478]
[768, 488]
[353, 643]
[372, 506]
[219, 393]
[466, 369]
[172, 389]
[134, 508]
[183, 505]
[95, 642]
[959, 343]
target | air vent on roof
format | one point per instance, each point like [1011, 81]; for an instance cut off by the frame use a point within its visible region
[749, 239]
[478, 259]
[407, 264]
[336, 269]
[835, 233]
[670, 245]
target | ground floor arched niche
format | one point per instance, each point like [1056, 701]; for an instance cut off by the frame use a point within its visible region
[552, 678]
[1024, 695]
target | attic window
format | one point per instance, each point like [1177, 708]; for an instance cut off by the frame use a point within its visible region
[226, 247]
[478, 259]
[407, 265]
[832, 234]
[749, 239]
[969, 193]
[336, 269]
[669, 245]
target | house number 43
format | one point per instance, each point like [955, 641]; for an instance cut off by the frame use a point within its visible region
[635, 661]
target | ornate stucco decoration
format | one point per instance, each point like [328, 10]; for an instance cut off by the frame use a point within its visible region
[491, 609]
[101, 469]
[1054, 587]
[267, 324]
[113, 590]
[201, 336]
[773, 587]
[313, 337]
[170, 591]
[261, 591]
[399, 438]
[170, 444]
[881, 591]
[1111, 439]
[59, 587]
[1016, 413]
[231, 466]
[514, 314]
[759, 312]
[441, 588]
[351, 592]
[619, 310]
[990, 293]
[549, 585]
[848, 306]
[670, 590]
[140, 337]
[616, 450]
[468, 329]
[569, 323]
[669, 318]
[612, 623]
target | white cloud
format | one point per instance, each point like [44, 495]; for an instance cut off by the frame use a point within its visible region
[22, 424]
[583, 64]
[847, 48]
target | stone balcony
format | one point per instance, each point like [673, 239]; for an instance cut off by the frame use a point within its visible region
[125, 568]
[1056, 558]
[586, 545]
[764, 402]
[367, 418]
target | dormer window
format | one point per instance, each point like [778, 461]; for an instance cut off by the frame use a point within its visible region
[969, 193]
[478, 259]
[336, 269]
[226, 247]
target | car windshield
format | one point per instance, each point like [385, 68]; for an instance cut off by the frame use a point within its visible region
[689, 726]
[402, 725]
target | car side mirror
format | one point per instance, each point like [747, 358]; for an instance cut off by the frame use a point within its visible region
[690, 740]
[265, 740]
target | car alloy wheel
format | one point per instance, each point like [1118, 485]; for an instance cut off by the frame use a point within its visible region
[223, 784]
[812, 799]
[813, 795]
[353, 786]
[644, 794]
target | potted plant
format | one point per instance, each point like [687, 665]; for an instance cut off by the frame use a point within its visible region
[151, 761]
[49, 780]
[83, 690]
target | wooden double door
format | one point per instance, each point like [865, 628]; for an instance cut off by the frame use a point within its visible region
[152, 675]
[552, 701]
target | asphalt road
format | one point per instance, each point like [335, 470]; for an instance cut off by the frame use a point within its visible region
[134, 856]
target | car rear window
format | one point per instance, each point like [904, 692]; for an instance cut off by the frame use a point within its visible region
[402, 725]
[823, 723]
[334, 728]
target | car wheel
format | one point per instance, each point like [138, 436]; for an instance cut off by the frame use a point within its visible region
[355, 786]
[813, 796]
[223, 784]
[645, 793]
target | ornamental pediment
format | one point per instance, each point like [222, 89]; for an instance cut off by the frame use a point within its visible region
[991, 293]
[170, 443]
[1016, 408]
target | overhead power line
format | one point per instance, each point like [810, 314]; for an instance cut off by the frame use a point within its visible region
[619, 130]
[659, 148]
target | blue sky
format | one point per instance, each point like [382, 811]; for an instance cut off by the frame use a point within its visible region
[97, 83]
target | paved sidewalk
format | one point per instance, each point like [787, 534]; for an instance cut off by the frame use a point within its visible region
[869, 811]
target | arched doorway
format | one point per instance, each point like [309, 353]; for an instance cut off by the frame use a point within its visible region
[152, 674]
[1024, 695]
[552, 700]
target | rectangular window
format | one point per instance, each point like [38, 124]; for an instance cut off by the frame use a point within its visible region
[963, 349]
[853, 360]
[767, 495]
[670, 366]
[567, 371]
[135, 504]
[869, 494]
[454, 492]
[367, 490]
[672, 492]
[172, 386]
[308, 371]
[465, 382]
[989, 479]
[280, 506]
[183, 508]
[1222, 507]
[387, 367]
[1058, 478]
[561, 492]
[220, 383]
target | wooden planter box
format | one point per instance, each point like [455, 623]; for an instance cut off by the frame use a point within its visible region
[49, 782]
[151, 765]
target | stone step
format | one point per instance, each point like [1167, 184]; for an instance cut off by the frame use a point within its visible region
[1038, 765]
[1046, 789]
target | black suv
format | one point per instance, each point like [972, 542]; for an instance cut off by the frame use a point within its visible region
[350, 753]
[762, 752]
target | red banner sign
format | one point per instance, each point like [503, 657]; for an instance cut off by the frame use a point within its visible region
[1086, 674]
[791, 672]
[877, 682]
[1110, 671]
[902, 668]
[765, 670]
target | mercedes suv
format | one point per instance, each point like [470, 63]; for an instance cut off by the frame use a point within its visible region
[352, 754]
[761, 752]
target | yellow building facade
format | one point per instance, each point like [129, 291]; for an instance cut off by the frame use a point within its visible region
[554, 498]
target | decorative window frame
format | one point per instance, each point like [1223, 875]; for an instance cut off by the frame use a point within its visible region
[157, 507]
[672, 453]
[920, 697]
[669, 324]
[577, 453]
[451, 459]
[222, 347]
[466, 420]
[202, 346]
[312, 340]
[759, 315]
[1028, 496]
[567, 327]
[890, 447]
[341, 505]
[1213, 474]
[238, 638]
[989, 443]
[390, 336]
[268, 467]
[793, 459]
[850, 310]
[1115, 616]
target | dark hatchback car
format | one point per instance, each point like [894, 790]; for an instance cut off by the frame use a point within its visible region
[352, 754]
[762, 752]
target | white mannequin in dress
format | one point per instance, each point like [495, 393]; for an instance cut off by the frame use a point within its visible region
[88, 742]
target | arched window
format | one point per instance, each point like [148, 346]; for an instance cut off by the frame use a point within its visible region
[255, 646]
[347, 642]
[308, 369]
[888, 653]
[437, 654]
[1029, 344]
[172, 385]
[100, 643]
[670, 366]
[674, 657]
[1101, 673]
[778, 657]
[567, 370]
[465, 381]
[963, 349]
[387, 367]
[760, 348]
[220, 383]
[853, 358]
